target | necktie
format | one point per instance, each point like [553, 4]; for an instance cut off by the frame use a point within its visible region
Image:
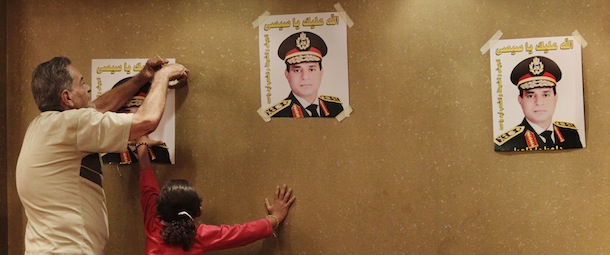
[547, 135]
[313, 108]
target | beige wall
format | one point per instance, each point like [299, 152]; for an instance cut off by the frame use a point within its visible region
[412, 171]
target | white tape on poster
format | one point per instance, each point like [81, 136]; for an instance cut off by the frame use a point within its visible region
[493, 40]
[344, 15]
[260, 19]
[580, 39]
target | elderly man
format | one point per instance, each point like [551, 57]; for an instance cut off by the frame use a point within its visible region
[58, 176]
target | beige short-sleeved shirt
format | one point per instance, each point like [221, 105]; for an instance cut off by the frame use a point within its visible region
[66, 212]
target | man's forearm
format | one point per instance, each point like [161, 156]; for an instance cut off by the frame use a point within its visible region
[148, 116]
[118, 96]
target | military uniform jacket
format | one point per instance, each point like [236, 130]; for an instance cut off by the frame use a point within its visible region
[291, 107]
[524, 138]
[158, 154]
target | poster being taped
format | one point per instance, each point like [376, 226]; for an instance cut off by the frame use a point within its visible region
[109, 73]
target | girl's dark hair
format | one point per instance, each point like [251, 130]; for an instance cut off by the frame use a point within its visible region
[178, 196]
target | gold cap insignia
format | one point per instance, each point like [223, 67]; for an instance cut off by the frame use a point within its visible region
[536, 67]
[303, 41]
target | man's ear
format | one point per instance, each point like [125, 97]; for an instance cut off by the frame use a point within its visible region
[286, 73]
[66, 98]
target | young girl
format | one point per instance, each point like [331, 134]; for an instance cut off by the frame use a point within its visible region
[169, 215]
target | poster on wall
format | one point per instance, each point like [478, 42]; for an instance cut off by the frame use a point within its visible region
[303, 60]
[537, 94]
[107, 74]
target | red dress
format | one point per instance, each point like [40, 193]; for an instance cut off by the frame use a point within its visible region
[208, 238]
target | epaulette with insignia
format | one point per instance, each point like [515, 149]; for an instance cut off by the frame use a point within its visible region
[508, 135]
[329, 98]
[277, 107]
[564, 124]
[297, 111]
[530, 139]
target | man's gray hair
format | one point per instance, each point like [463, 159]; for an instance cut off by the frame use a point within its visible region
[49, 79]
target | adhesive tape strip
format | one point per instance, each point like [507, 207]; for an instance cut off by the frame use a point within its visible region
[344, 114]
[260, 19]
[579, 38]
[344, 15]
[491, 41]
[263, 115]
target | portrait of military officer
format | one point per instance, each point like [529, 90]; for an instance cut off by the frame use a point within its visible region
[158, 153]
[302, 53]
[537, 79]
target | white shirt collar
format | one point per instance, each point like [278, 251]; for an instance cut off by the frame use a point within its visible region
[305, 103]
[539, 130]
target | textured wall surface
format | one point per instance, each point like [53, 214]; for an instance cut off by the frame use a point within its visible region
[412, 171]
[3, 133]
